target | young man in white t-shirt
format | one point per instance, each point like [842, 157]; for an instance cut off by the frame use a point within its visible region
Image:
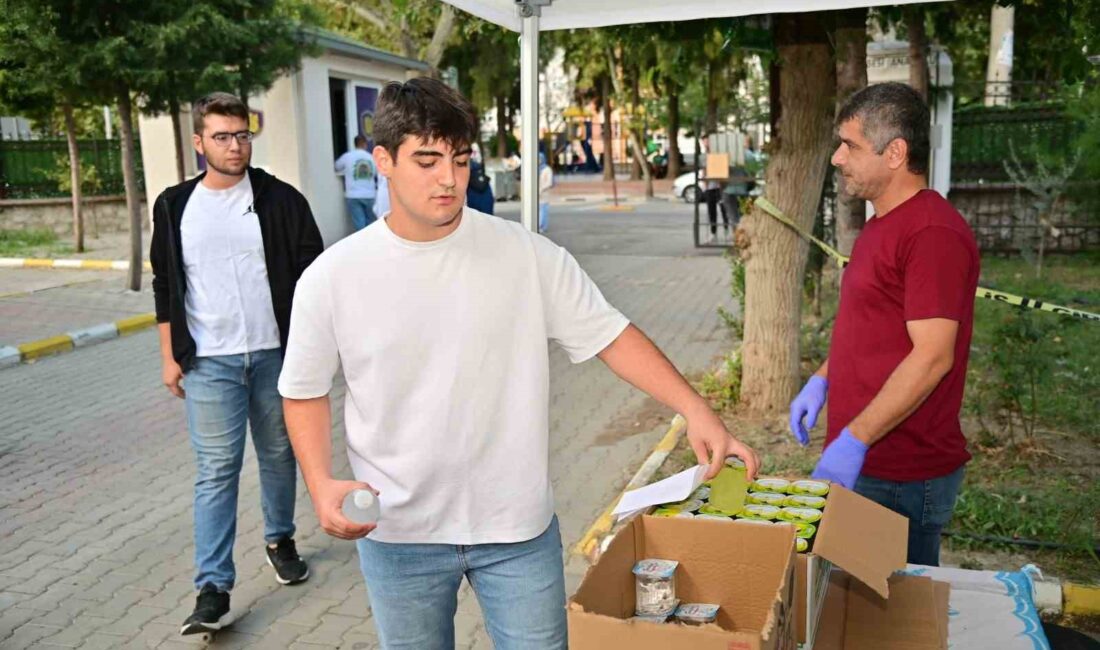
[439, 316]
[360, 183]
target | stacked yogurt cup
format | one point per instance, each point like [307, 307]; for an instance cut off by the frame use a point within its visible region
[770, 500]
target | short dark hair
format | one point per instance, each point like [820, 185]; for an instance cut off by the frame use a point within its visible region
[425, 108]
[217, 104]
[360, 141]
[888, 111]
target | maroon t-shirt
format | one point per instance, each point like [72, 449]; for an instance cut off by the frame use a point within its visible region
[916, 262]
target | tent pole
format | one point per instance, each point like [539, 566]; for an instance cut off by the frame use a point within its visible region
[529, 111]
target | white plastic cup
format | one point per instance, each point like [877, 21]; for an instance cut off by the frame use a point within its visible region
[361, 507]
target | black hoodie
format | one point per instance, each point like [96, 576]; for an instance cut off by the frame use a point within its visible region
[291, 242]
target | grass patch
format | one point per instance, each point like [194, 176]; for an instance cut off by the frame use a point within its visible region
[31, 243]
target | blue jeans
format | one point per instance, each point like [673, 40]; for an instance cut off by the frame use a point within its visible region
[224, 393]
[362, 212]
[927, 504]
[413, 590]
[544, 216]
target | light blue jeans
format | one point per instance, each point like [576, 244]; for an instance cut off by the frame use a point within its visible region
[413, 590]
[544, 216]
[362, 212]
[224, 394]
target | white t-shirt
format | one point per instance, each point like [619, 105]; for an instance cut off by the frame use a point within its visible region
[228, 298]
[443, 345]
[359, 172]
[382, 201]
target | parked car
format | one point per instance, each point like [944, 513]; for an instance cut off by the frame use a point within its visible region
[687, 189]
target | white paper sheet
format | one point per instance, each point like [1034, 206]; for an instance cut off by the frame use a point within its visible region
[674, 488]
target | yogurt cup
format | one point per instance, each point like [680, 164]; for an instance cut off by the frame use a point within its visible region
[767, 498]
[713, 517]
[710, 509]
[806, 486]
[655, 587]
[799, 515]
[780, 485]
[801, 545]
[804, 531]
[696, 613]
[804, 501]
[759, 511]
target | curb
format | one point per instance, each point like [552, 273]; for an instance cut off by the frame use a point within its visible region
[1081, 599]
[607, 198]
[592, 541]
[85, 265]
[14, 355]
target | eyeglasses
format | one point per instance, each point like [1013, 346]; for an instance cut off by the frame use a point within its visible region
[222, 138]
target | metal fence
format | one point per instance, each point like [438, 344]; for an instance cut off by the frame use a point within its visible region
[31, 169]
[1025, 126]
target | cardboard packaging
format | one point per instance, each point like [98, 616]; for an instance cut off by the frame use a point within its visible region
[861, 537]
[718, 167]
[856, 618]
[747, 570]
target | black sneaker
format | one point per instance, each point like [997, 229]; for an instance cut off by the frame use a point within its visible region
[290, 568]
[211, 611]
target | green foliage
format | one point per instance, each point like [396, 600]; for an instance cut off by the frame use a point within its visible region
[1032, 370]
[90, 182]
[1061, 511]
[736, 324]
[722, 388]
[25, 243]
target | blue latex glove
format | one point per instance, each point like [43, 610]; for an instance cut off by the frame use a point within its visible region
[842, 460]
[807, 405]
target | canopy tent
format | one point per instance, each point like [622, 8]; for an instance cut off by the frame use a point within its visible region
[529, 17]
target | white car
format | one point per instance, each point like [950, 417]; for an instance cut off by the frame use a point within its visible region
[687, 189]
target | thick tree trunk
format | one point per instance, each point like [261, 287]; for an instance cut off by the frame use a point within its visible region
[177, 137]
[502, 127]
[444, 25]
[851, 75]
[133, 201]
[608, 143]
[639, 161]
[74, 176]
[918, 44]
[673, 130]
[775, 255]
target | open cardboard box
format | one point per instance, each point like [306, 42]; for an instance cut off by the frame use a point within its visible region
[747, 570]
[861, 537]
[913, 618]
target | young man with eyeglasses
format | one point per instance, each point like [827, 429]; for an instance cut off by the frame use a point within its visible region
[440, 317]
[228, 248]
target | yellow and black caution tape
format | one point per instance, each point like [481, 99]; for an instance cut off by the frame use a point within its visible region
[992, 294]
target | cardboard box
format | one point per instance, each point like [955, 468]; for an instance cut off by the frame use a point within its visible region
[747, 570]
[718, 167]
[861, 537]
[856, 618]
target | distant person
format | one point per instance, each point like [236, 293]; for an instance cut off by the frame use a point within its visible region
[546, 182]
[360, 183]
[713, 197]
[228, 248]
[479, 194]
[382, 201]
[737, 187]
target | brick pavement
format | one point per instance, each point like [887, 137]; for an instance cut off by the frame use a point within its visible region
[95, 503]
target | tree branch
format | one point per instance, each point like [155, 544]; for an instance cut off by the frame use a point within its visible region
[443, 27]
[364, 13]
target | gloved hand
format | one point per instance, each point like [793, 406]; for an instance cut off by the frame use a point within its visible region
[842, 460]
[807, 405]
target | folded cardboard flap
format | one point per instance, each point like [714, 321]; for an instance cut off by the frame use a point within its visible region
[856, 618]
[863, 538]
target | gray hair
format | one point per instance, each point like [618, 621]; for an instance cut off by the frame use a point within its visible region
[887, 112]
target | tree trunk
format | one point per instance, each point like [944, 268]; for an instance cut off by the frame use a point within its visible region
[710, 123]
[74, 175]
[444, 25]
[918, 43]
[502, 128]
[639, 155]
[133, 201]
[673, 130]
[605, 132]
[851, 75]
[177, 137]
[639, 161]
[775, 255]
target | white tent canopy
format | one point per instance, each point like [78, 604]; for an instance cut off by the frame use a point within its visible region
[529, 17]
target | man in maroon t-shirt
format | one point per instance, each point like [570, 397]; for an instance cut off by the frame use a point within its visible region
[897, 363]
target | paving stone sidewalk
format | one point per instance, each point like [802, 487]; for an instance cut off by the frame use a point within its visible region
[95, 501]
